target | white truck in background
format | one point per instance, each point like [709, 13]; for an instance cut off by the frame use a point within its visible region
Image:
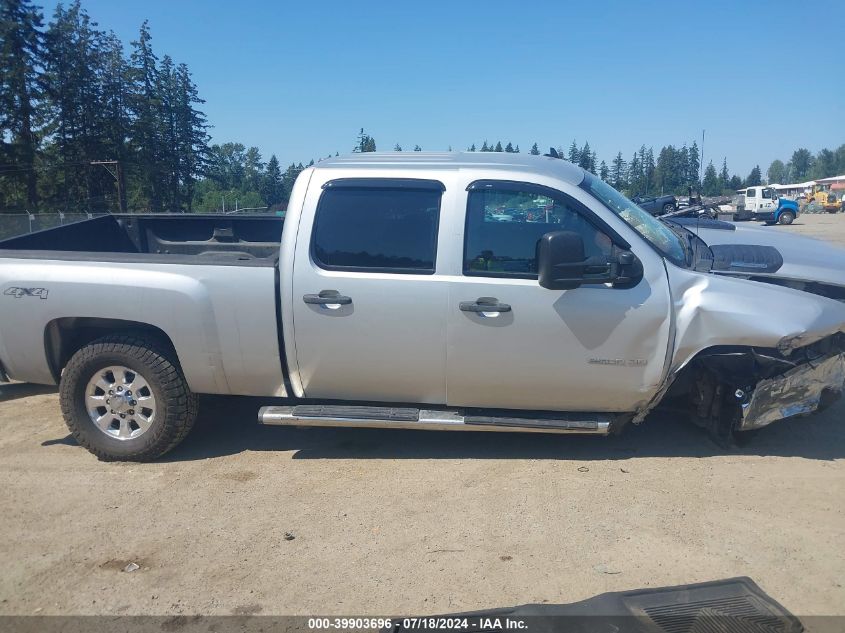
[763, 203]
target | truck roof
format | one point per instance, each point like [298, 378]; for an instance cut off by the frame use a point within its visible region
[427, 161]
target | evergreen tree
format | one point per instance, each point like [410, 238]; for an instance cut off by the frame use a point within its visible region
[366, 143]
[664, 172]
[516, 149]
[20, 96]
[397, 148]
[693, 165]
[509, 148]
[290, 176]
[574, 155]
[72, 73]
[604, 172]
[272, 189]
[498, 146]
[115, 115]
[484, 146]
[635, 176]
[724, 176]
[472, 148]
[754, 178]
[682, 168]
[167, 150]
[534, 150]
[585, 158]
[710, 184]
[417, 148]
[191, 135]
[146, 133]
[618, 172]
[648, 167]
[253, 169]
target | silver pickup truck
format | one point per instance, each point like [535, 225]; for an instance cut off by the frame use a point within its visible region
[484, 292]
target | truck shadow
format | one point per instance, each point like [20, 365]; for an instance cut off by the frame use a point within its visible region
[228, 426]
[15, 390]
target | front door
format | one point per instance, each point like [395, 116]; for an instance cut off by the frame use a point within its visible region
[594, 348]
[768, 200]
[368, 307]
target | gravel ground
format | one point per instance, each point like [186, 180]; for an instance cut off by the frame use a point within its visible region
[388, 522]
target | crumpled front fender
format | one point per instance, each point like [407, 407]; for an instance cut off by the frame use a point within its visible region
[713, 310]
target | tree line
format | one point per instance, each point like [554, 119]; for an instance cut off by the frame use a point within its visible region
[804, 166]
[86, 127]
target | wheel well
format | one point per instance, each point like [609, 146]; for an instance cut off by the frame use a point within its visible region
[738, 366]
[66, 336]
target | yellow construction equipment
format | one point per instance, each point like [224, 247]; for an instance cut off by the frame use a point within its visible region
[828, 199]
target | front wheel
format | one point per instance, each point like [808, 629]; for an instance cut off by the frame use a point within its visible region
[787, 217]
[125, 398]
[668, 208]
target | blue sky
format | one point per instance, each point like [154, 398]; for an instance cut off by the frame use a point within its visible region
[299, 79]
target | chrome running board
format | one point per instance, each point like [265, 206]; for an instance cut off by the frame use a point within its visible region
[431, 419]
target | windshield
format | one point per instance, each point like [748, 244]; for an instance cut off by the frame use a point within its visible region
[664, 239]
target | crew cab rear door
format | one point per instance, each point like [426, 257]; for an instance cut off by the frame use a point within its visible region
[515, 345]
[369, 307]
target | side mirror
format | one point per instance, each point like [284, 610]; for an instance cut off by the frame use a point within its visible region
[560, 260]
[562, 265]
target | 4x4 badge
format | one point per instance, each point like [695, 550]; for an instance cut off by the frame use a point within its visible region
[17, 293]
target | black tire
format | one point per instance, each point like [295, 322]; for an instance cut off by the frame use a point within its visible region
[668, 207]
[176, 404]
[787, 217]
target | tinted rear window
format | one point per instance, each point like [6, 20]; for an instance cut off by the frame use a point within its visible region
[373, 229]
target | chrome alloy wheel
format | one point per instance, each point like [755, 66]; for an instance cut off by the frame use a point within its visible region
[120, 402]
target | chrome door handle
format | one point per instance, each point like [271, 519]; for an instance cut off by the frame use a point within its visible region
[484, 304]
[327, 297]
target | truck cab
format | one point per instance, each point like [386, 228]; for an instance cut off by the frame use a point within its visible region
[764, 204]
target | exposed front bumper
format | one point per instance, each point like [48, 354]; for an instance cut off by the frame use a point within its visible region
[801, 390]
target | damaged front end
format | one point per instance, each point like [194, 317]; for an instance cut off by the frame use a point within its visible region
[747, 353]
[733, 390]
[806, 388]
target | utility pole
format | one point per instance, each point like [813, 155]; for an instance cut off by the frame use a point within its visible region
[117, 174]
[701, 162]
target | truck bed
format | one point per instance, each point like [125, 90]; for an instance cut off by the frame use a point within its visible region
[207, 283]
[182, 238]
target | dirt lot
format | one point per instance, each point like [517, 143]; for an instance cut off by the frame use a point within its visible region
[388, 522]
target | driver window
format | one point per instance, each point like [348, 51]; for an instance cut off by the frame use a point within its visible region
[504, 226]
[767, 193]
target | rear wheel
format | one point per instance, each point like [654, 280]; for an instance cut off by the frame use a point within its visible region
[787, 217]
[668, 207]
[125, 398]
